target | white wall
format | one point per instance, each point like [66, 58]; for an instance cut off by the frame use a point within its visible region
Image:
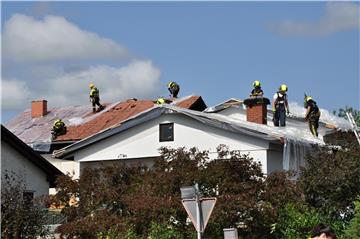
[143, 141]
[235, 112]
[34, 177]
[65, 166]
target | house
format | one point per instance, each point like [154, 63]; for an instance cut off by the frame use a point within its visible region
[34, 125]
[18, 158]
[117, 133]
[170, 126]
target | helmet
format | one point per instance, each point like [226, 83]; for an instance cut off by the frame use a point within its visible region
[160, 101]
[170, 84]
[91, 85]
[256, 83]
[57, 121]
[283, 87]
[307, 98]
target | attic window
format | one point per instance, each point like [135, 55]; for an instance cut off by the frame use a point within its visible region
[166, 132]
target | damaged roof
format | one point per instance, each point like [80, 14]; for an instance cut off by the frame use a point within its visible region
[82, 123]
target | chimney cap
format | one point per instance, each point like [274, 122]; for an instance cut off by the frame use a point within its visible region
[256, 101]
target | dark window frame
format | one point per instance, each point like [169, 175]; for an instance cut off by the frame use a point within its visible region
[162, 128]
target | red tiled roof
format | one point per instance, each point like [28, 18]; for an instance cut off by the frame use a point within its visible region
[115, 115]
[119, 113]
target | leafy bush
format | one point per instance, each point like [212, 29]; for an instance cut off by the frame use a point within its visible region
[331, 180]
[114, 199]
[20, 218]
[353, 230]
[162, 231]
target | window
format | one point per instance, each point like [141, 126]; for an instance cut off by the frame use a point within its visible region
[166, 132]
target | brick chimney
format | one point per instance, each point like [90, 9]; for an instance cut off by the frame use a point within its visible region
[38, 108]
[256, 111]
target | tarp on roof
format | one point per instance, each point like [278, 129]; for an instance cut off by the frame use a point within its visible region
[297, 113]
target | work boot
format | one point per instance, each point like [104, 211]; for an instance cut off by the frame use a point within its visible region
[94, 110]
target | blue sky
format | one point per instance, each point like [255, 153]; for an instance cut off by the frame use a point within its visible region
[53, 50]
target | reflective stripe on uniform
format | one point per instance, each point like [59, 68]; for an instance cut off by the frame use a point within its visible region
[94, 92]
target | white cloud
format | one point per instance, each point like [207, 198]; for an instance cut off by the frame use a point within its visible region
[14, 94]
[54, 38]
[45, 45]
[339, 16]
[139, 79]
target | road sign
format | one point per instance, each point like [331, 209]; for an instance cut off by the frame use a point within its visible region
[206, 205]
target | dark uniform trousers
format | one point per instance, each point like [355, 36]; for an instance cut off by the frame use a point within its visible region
[280, 115]
[314, 123]
[95, 101]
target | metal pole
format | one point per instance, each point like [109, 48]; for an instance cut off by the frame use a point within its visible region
[353, 125]
[198, 218]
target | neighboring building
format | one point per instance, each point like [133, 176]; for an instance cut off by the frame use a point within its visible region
[16, 157]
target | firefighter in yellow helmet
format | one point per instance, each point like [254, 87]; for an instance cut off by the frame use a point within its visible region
[312, 115]
[95, 97]
[173, 88]
[160, 101]
[257, 91]
[59, 128]
[280, 106]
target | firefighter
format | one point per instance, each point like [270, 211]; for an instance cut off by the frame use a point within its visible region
[280, 106]
[95, 98]
[312, 115]
[59, 128]
[257, 91]
[160, 101]
[173, 88]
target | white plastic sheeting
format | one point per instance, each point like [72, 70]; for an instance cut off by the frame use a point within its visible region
[326, 116]
[294, 154]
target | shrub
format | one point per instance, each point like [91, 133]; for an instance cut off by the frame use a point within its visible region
[21, 217]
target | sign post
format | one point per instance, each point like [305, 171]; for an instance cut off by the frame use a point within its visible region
[198, 216]
[199, 209]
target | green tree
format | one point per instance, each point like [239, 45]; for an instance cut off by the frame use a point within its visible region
[342, 113]
[162, 231]
[296, 220]
[331, 181]
[122, 197]
[21, 217]
[353, 230]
